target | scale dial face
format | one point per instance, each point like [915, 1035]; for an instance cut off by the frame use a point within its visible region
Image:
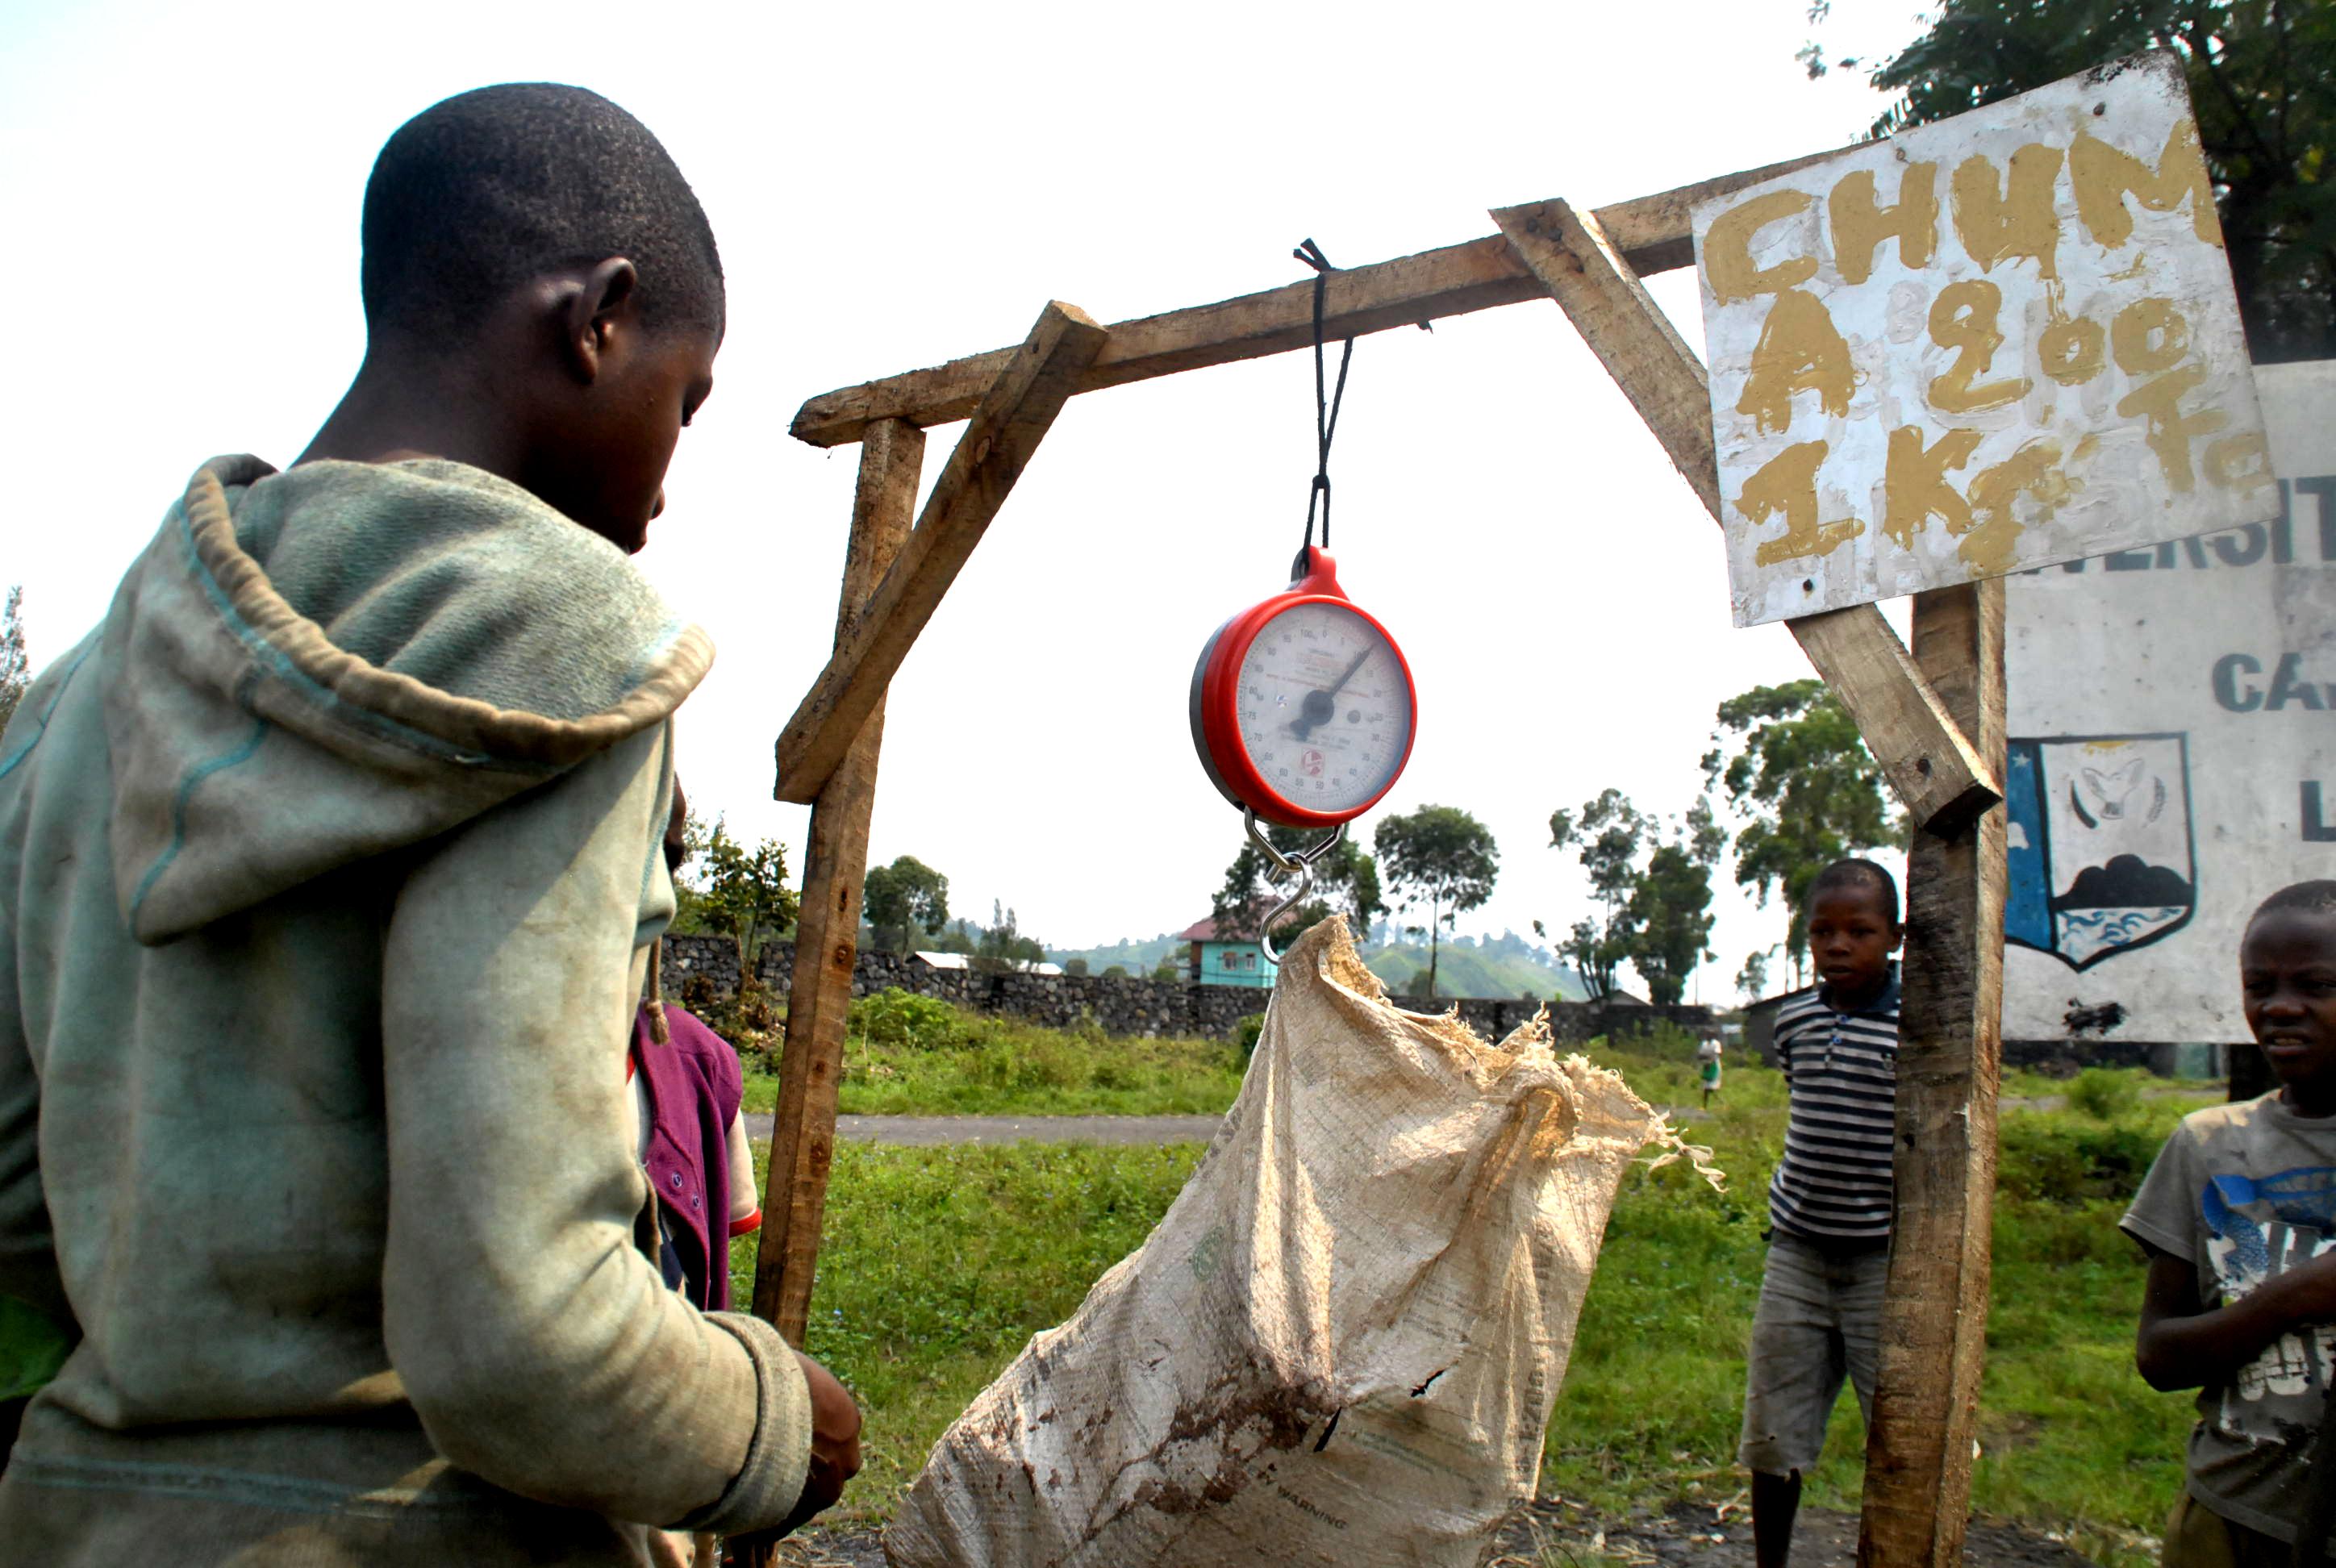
[1303, 706]
[1323, 704]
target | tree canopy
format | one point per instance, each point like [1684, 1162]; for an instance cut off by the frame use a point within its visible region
[1658, 915]
[1812, 791]
[907, 893]
[745, 893]
[2263, 82]
[1442, 857]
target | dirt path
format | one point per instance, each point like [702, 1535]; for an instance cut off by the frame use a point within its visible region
[1551, 1533]
[927, 1131]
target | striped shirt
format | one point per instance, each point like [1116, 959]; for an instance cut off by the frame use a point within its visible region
[1834, 1184]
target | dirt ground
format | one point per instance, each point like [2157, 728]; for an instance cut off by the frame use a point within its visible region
[1684, 1536]
[1688, 1535]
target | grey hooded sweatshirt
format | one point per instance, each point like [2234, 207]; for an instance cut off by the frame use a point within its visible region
[328, 879]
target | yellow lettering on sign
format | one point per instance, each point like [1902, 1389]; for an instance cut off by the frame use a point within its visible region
[1991, 546]
[2103, 176]
[1786, 485]
[1963, 318]
[2240, 462]
[2170, 430]
[2070, 348]
[1860, 223]
[2014, 218]
[1914, 487]
[1799, 350]
[1727, 264]
[2149, 336]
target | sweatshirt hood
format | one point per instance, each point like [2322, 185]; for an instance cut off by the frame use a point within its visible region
[309, 668]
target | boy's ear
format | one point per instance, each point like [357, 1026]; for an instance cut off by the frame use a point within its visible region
[593, 310]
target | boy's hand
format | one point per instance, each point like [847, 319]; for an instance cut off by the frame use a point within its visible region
[834, 1455]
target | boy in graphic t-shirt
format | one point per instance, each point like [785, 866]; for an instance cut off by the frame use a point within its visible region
[2238, 1216]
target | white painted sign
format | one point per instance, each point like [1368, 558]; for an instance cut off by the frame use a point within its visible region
[2001, 341]
[2173, 755]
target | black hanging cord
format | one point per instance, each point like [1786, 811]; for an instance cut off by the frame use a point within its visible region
[1326, 409]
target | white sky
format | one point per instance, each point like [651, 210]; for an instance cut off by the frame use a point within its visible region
[894, 188]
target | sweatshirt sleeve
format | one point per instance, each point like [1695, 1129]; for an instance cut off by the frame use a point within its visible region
[36, 1323]
[540, 1346]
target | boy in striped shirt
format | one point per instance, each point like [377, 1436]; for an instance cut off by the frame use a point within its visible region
[1829, 1203]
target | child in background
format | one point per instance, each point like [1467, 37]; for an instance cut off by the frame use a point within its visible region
[2238, 1217]
[1829, 1203]
[689, 1132]
[1706, 1057]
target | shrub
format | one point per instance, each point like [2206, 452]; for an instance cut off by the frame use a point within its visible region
[2104, 1093]
[893, 1016]
[1245, 1034]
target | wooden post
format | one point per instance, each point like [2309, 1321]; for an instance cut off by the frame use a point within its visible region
[827, 933]
[1918, 1454]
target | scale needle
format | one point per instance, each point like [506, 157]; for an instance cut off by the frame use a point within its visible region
[1319, 706]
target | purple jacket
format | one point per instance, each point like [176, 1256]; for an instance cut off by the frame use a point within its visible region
[695, 1087]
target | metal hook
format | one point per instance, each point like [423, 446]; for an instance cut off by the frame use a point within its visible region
[1302, 862]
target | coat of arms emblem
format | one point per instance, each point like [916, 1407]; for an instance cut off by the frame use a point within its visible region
[2100, 860]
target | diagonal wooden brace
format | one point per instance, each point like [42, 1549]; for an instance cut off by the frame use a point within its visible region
[1928, 762]
[1012, 419]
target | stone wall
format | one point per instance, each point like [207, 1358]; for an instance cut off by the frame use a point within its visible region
[705, 969]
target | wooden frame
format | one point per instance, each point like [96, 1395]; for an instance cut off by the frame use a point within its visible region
[1932, 717]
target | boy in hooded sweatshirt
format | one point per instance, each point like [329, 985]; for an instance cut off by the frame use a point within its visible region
[329, 873]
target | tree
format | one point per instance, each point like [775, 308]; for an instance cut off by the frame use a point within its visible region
[2261, 82]
[906, 893]
[1345, 877]
[1075, 966]
[1003, 947]
[1442, 857]
[746, 892]
[15, 668]
[1658, 915]
[1753, 978]
[1670, 913]
[1606, 837]
[1812, 790]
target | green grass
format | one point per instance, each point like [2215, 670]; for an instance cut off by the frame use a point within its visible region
[941, 1262]
[2071, 1438]
[910, 1056]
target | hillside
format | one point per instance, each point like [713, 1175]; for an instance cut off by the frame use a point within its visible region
[1507, 965]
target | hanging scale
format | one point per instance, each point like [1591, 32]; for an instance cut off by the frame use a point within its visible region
[1302, 707]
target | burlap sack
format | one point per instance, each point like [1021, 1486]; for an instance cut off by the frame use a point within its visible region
[1341, 1344]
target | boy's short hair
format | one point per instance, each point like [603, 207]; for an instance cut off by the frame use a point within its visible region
[2318, 897]
[477, 194]
[1856, 873]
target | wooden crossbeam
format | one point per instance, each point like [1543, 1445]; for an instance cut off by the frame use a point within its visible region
[1933, 1341]
[1651, 231]
[827, 931]
[1942, 781]
[1015, 414]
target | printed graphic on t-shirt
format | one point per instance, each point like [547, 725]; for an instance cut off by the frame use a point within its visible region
[2257, 1228]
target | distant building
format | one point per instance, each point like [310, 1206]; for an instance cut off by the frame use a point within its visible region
[965, 961]
[1223, 958]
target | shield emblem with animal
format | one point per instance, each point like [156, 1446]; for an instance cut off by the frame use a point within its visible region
[2101, 858]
